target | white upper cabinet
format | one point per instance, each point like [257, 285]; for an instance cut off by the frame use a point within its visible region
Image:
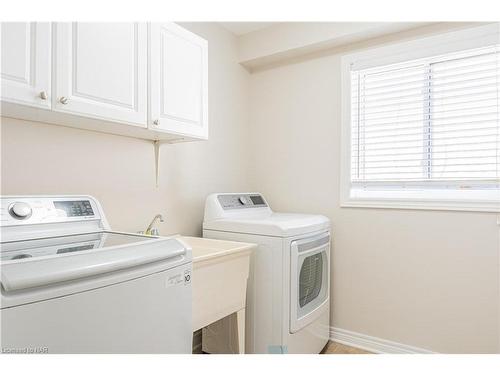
[107, 76]
[101, 71]
[178, 64]
[25, 63]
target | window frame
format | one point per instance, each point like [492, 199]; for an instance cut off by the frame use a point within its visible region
[426, 198]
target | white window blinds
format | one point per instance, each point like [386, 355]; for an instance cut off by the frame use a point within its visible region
[428, 122]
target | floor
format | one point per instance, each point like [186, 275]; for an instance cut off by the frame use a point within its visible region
[336, 348]
[330, 348]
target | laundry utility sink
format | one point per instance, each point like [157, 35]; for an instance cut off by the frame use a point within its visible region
[205, 249]
[220, 274]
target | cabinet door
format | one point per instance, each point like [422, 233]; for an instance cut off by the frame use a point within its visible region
[178, 81]
[101, 71]
[25, 67]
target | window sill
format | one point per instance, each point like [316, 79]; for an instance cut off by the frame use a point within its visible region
[422, 205]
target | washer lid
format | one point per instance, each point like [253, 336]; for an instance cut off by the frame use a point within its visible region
[274, 224]
[39, 262]
[58, 245]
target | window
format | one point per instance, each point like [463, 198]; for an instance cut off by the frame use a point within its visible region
[425, 132]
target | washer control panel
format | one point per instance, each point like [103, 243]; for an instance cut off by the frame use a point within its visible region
[241, 201]
[75, 208]
[37, 210]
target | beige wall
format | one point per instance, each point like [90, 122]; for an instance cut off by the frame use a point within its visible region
[423, 278]
[428, 279]
[119, 171]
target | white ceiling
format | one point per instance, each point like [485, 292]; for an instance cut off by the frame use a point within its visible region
[240, 28]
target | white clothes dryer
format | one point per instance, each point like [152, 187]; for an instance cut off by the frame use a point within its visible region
[288, 297]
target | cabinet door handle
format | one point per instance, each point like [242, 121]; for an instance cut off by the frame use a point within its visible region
[64, 100]
[43, 95]
[156, 122]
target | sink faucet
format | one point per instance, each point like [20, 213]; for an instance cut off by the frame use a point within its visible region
[150, 230]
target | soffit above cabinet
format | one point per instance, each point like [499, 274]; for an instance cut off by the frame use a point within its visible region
[286, 42]
[242, 28]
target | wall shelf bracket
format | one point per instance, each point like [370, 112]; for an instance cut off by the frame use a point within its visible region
[156, 145]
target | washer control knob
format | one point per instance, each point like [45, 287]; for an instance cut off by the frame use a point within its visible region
[20, 210]
[242, 200]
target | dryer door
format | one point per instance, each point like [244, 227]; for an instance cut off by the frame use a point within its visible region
[309, 278]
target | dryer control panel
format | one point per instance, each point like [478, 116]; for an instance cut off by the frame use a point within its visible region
[238, 201]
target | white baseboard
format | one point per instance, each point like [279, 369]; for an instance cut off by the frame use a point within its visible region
[373, 344]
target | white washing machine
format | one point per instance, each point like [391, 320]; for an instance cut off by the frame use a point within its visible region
[70, 285]
[288, 298]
